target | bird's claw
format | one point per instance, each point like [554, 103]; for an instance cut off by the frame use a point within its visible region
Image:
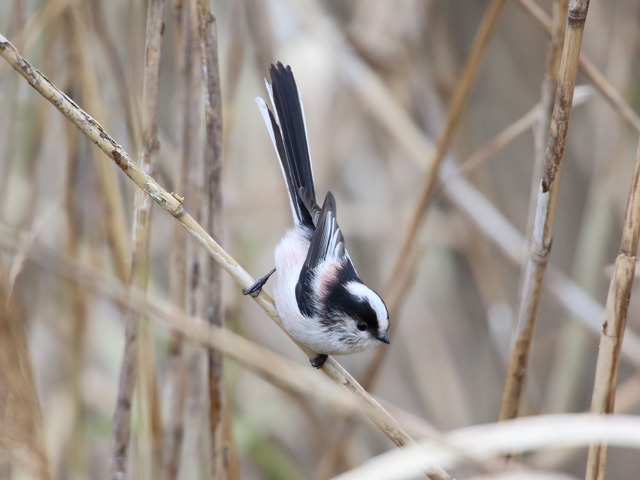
[318, 360]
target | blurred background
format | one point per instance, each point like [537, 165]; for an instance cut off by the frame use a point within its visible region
[376, 79]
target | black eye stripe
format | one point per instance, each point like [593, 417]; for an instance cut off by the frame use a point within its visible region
[340, 302]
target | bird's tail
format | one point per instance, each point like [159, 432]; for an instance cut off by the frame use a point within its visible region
[288, 132]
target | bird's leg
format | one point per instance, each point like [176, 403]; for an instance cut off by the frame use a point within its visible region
[318, 360]
[255, 289]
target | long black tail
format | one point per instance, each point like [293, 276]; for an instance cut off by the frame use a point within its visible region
[288, 132]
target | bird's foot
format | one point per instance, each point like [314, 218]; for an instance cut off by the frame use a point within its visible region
[318, 360]
[255, 289]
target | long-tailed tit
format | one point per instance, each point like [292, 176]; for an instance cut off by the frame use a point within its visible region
[320, 298]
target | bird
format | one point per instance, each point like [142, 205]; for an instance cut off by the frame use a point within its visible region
[321, 300]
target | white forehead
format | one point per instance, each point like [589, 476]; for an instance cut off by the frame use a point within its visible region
[360, 290]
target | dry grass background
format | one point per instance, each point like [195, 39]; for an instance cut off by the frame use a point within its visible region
[377, 79]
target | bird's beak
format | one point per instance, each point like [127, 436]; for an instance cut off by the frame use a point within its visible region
[383, 337]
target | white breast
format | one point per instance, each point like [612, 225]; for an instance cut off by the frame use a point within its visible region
[290, 255]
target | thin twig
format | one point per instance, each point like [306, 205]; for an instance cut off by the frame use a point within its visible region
[173, 205]
[615, 320]
[545, 209]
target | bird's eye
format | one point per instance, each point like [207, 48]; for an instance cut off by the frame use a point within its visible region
[362, 326]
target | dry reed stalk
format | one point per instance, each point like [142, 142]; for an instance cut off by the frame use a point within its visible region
[213, 224]
[22, 445]
[545, 209]
[597, 225]
[615, 320]
[192, 175]
[172, 203]
[138, 363]
[547, 96]
[137, 360]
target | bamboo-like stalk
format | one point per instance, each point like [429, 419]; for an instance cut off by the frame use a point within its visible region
[547, 97]
[213, 224]
[615, 320]
[172, 203]
[545, 209]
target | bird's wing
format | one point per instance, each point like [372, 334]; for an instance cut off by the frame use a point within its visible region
[327, 243]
